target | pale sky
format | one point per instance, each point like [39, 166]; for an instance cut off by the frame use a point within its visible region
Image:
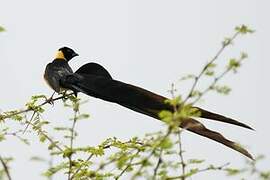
[148, 43]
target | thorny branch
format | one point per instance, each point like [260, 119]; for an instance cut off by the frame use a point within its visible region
[5, 168]
[40, 131]
[3, 117]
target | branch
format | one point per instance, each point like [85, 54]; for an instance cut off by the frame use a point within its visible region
[216, 79]
[128, 165]
[71, 143]
[210, 168]
[182, 162]
[40, 131]
[3, 117]
[158, 164]
[196, 79]
[154, 150]
[5, 168]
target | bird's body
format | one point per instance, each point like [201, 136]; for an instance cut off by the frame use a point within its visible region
[94, 80]
[55, 71]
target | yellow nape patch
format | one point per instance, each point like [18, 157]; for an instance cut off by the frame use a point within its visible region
[60, 55]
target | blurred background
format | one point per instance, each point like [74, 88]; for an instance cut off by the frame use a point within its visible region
[146, 43]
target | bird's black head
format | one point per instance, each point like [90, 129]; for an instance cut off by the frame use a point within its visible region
[66, 53]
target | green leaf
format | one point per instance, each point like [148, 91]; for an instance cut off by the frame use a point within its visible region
[67, 152]
[2, 29]
[166, 144]
[187, 77]
[166, 116]
[243, 29]
[2, 137]
[42, 138]
[222, 89]
[195, 161]
[51, 171]
[175, 101]
[232, 172]
[234, 64]
[37, 158]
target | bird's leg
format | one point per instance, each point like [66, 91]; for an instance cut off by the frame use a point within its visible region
[64, 94]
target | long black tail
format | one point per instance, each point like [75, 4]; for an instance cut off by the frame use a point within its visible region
[99, 84]
[217, 117]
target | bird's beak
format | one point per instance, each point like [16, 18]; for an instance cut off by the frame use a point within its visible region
[75, 54]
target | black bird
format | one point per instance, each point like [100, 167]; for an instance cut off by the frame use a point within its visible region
[94, 80]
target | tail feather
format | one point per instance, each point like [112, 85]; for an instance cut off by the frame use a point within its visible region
[198, 128]
[146, 102]
[217, 117]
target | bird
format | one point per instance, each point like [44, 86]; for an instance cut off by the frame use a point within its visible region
[94, 80]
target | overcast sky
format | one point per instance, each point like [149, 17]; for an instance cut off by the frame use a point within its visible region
[149, 43]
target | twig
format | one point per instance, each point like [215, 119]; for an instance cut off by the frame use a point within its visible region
[50, 166]
[46, 136]
[80, 167]
[183, 164]
[128, 165]
[158, 164]
[196, 79]
[210, 168]
[5, 168]
[3, 117]
[154, 150]
[218, 78]
[71, 143]
[32, 117]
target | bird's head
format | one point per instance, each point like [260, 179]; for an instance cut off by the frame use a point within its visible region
[66, 53]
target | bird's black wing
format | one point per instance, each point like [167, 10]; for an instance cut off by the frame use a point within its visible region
[52, 78]
[94, 69]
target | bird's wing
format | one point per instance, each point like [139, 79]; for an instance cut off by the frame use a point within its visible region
[94, 69]
[52, 78]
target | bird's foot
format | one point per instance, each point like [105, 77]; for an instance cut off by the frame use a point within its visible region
[65, 96]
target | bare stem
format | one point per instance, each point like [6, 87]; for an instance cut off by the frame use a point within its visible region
[5, 168]
[72, 136]
[182, 161]
[158, 164]
[210, 168]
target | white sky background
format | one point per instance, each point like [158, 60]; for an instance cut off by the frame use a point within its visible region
[147, 43]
